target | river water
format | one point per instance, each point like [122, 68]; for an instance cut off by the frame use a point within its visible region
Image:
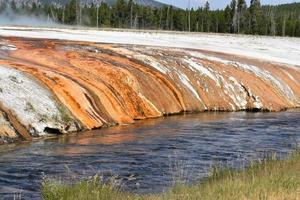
[150, 155]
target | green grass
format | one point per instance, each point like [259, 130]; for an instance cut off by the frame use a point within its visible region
[83, 190]
[268, 180]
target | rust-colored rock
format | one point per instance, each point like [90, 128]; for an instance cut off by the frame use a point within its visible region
[100, 85]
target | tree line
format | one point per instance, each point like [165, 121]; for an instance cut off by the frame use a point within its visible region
[237, 17]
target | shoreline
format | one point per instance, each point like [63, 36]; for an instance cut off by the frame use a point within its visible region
[46, 137]
[271, 178]
[152, 150]
[60, 87]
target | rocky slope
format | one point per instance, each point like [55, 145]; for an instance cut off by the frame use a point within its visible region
[55, 87]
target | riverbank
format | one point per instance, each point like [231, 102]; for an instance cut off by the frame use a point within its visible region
[91, 85]
[270, 179]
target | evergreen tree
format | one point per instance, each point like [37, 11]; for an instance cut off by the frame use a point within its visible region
[130, 12]
[281, 20]
[272, 22]
[3, 7]
[297, 28]
[104, 15]
[119, 16]
[241, 15]
[71, 12]
[13, 6]
[207, 17]
[255, 16]
[233, 16]
[228, 19]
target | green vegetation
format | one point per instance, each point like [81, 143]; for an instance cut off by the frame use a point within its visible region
[238, 17]
[65, 115]
[271, 179]
[91, 189]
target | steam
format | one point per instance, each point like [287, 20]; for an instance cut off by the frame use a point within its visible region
[9, 17]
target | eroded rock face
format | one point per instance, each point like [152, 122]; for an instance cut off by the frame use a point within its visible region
[31, 105]
[7, 132]
[59, 86]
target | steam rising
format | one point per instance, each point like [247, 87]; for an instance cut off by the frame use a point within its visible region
[9, 17]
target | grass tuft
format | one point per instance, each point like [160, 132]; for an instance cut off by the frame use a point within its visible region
[88, 189]
[271, 179]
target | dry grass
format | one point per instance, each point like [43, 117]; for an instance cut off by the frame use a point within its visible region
[268, 180]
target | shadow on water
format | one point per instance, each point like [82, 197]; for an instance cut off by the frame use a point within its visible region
[148, 155]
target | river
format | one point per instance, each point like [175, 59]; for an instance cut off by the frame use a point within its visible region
[149, 156]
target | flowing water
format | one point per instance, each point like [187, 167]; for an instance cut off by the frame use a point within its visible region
[147, 157]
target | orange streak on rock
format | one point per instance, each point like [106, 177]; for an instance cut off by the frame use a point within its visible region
[103, 85]
[21, 130]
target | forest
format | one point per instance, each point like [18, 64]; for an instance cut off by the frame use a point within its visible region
[237, 17]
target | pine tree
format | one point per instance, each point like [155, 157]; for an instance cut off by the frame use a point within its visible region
[283, 25]
[228, 19]
[13, 5]
[93, 15]
[207, 17]
[233, 16]
[71, 12]
[33, 8]
[3, 7]
[119, 17]
[129, 10]
[272, 23]
[104, 15]
[255, 16]
[241, 15]
[297, 29]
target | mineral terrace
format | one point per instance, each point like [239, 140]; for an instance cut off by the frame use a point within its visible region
[52, 86]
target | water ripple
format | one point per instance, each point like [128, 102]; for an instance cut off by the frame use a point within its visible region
[148, 156]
